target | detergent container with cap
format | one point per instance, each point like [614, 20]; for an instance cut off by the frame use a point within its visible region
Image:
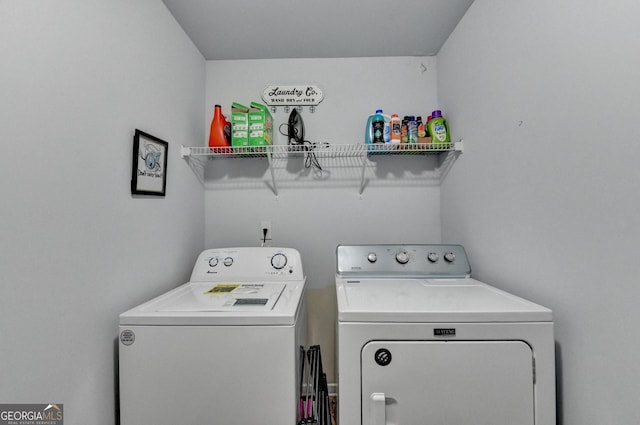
[438, 128]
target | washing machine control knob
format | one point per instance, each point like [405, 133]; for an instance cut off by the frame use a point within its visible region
[213, 262]
[278, 261]
[372, 257]
[433, 257]
[449, 257]
[227, 261]
[402, 257]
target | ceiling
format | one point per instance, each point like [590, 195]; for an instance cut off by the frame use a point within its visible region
[262, 29]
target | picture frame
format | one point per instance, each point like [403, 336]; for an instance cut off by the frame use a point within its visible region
[149, 165]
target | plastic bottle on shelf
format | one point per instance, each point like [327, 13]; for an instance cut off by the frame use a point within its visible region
[412, 130]
[420, 125]
[422, 134]
[438, 128]
[404, 130]
[378, 127]
[386, 134]
[219, 132]
[396, 129]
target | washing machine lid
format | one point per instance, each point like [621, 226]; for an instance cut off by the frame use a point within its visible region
[431, 300]
[221, 303]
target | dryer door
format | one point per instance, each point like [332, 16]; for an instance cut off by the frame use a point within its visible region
[447, 382]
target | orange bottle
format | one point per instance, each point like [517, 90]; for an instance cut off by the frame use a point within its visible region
[218, 136]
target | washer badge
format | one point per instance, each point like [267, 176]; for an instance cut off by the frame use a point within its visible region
[127, 337]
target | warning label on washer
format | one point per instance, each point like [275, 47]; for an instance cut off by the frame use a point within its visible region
[223, 288]
[236, 288]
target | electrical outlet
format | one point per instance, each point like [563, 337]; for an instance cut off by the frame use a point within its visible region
[265, 232]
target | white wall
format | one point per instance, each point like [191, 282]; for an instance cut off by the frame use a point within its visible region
[76, 79]
[401, 202]
[545, 197]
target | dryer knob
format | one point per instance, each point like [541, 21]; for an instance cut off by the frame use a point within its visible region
[227, 261]
[449, 257]
[382, 357]
[372, 257]
[433, 257]
[402, 257]
[213, 262]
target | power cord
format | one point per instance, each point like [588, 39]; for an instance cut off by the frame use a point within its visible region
[311, 158]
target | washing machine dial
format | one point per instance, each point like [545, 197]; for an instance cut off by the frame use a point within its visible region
[449, 257]
[227, 261]
[213, 262]
[433, 257]
[372, 257]
[278, 261]
[402, 257]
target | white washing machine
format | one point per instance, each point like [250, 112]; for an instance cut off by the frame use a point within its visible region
[421, 342]
[223, 348]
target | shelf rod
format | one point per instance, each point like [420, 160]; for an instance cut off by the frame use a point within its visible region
[273, 176]
[364, 165]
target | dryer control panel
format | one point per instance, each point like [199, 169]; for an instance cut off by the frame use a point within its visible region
[428, 261]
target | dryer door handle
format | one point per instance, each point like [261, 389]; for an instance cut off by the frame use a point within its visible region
[378, 409]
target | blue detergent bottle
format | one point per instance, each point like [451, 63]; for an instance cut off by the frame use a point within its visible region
[378, 127]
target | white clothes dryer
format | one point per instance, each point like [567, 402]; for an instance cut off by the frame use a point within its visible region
[420, 341]
[223, 348]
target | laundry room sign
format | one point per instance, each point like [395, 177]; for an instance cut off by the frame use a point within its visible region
[298, 95]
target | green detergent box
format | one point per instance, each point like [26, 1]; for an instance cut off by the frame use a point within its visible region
[239, 125]
[260, 125]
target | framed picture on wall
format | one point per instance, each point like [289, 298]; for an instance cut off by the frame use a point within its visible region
[149, 171]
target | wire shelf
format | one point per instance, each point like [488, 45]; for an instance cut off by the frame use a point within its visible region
[320, 150]
[313, 152]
